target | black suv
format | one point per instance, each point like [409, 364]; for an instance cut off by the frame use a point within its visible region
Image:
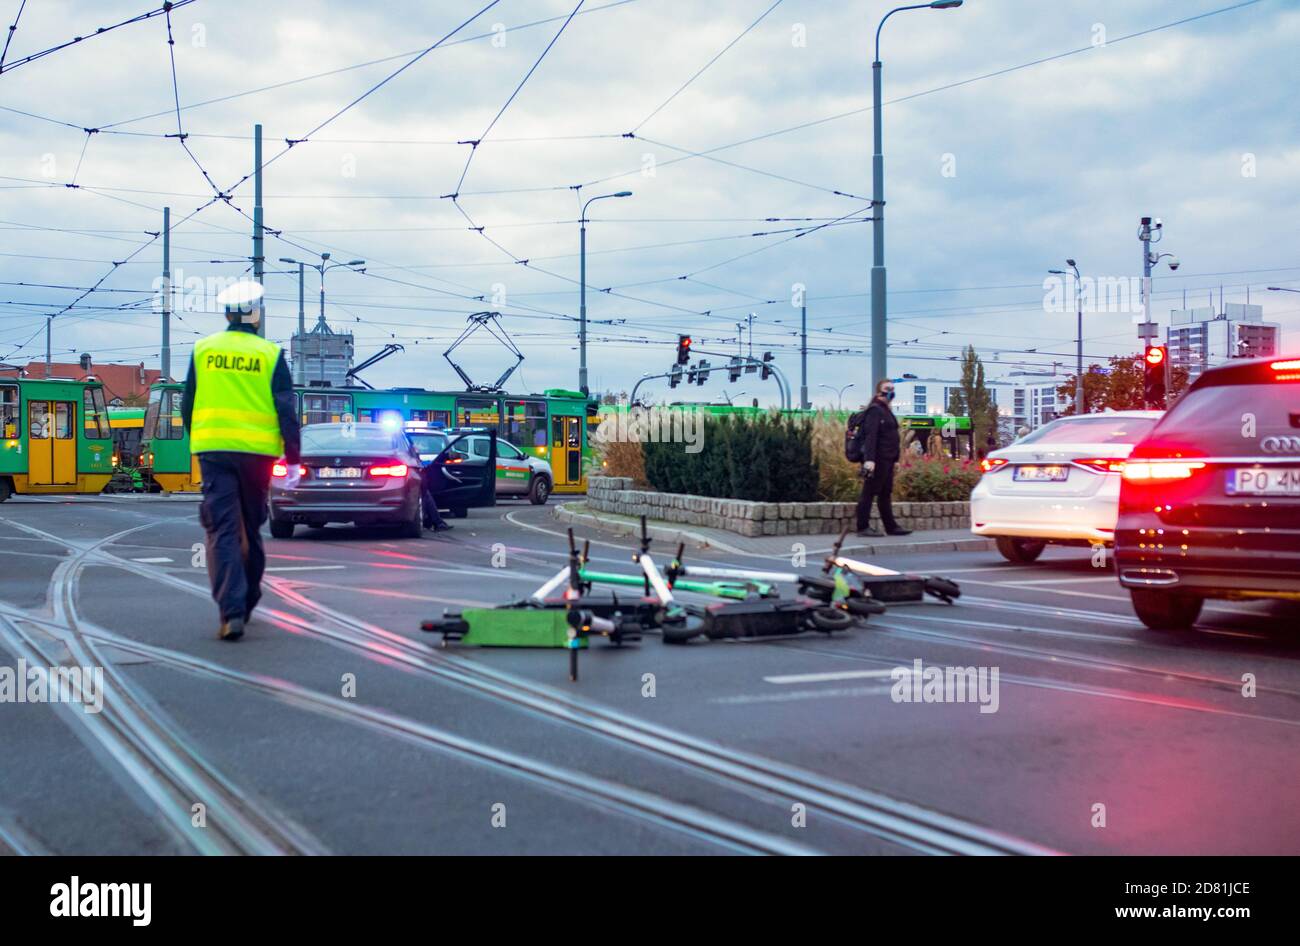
[1209, 506]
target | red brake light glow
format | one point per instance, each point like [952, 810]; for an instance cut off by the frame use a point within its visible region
[280, 469]
[1288, 370]
[1144, 471]
[1102, 464]
[989, 464]
[396, 471]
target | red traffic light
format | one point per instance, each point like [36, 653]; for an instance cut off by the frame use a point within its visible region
[683, 349]
[1155, 355]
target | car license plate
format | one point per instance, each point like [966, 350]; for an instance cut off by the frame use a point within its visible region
[1263, 482]
[1041, 474]
[340, 473]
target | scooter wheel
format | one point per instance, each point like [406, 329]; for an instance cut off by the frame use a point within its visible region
[830, 619]
[864, 607]
[943, 588]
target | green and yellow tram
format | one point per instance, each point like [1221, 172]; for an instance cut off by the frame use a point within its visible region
[56, 437]
[127, 427]
[551, 425]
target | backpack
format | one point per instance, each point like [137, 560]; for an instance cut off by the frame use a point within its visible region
[853, 437]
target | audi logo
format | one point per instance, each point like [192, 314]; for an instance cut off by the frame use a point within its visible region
[1281, 444]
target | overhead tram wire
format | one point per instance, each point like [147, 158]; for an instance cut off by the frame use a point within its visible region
[109, 128]
[682, 88]
[165, 9]
[9, 36]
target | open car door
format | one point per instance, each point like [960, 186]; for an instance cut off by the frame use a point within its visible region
[461, 480]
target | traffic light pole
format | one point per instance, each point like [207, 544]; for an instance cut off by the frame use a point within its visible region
[782, 384]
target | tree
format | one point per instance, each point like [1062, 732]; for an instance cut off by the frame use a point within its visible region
[974, 400]
[1117, 387]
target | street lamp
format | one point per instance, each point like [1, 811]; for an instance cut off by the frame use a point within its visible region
[839, 394]
[322, 268]
[1080, 403]
[582, 288]
[1281, 289]
[879, 333]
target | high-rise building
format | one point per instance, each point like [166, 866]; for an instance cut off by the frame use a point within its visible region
[322, 357]
[1201, 338]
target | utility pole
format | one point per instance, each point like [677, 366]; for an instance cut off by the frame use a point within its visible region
[259, 256]
[803, 358]
[751, 335]
[582, 287]
[301, 363]
[49, 323]
[165, 356]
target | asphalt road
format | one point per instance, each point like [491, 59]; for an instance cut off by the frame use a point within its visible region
[335, 726]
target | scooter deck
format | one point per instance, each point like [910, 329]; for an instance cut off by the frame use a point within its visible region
[517, 627]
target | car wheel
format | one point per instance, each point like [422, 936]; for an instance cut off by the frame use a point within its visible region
[281, 529]
[1165, 611]
[458, 512]
[539, 491]
[1020, 550]
[413, 528]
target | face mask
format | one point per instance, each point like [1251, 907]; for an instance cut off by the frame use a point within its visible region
[889, 395]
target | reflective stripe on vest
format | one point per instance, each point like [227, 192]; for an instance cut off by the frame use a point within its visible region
[233, 406]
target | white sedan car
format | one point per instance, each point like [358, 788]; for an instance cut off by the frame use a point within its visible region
[1057, 485]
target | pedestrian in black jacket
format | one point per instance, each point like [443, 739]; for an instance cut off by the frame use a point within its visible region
[880, 452]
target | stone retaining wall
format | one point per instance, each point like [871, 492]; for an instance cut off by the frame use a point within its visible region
[615, 494]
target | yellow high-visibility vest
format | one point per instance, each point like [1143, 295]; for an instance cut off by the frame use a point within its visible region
[233, 406]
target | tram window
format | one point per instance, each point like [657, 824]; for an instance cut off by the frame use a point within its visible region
[526, 423]
[150, 429]
[557, 431]
[477, 411]
[171, 424]
[96, 414]
[325, 408]
[10, 422]
[38, 416]
[63, 420]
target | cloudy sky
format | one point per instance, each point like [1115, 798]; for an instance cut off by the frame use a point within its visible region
[743, 127]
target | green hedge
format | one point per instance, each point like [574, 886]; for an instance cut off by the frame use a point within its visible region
[765, 458]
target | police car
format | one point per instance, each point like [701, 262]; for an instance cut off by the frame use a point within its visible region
[1209, 504]
[517, 474]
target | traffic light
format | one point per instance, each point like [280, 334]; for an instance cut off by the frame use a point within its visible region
[675, 376]
[683, 349]
[767, 366]
[734, 369]
[703, 374]
[1153, 376]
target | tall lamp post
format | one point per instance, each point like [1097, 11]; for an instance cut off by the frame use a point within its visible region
[879, 333]
[839, 394]
[322, 268]
[1080, 401]
[582, 288]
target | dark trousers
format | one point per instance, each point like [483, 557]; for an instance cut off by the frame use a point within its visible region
[235, 486]
[880, 487]
[432, 518]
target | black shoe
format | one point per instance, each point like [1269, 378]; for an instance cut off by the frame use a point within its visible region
[444, 527]
[869, 533]
[898, 531]
[232, 629]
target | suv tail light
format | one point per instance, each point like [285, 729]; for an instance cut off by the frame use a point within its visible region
[1102, 464]
[989, 464]
[1146, 471]
[396, 471]
[1288, 370]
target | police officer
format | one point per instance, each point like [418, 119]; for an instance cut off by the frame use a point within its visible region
[880, 451]
[239, 410]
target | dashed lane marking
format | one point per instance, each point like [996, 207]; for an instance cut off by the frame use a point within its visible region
[825, 677]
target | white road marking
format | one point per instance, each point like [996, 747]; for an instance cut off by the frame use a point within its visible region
[306, 568]
[151, 561]
[790, 696]
[832, 675]
[1060, 581]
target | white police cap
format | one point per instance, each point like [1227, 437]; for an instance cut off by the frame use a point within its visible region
[243, 299]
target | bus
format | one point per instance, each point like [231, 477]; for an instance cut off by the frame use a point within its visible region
[56, 437]
[551, 425]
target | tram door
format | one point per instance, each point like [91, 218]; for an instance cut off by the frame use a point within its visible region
[566, 450]
[52, 443]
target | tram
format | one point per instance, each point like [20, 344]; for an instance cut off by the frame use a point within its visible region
[56, 437]
[127, 426]
[551, 425]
